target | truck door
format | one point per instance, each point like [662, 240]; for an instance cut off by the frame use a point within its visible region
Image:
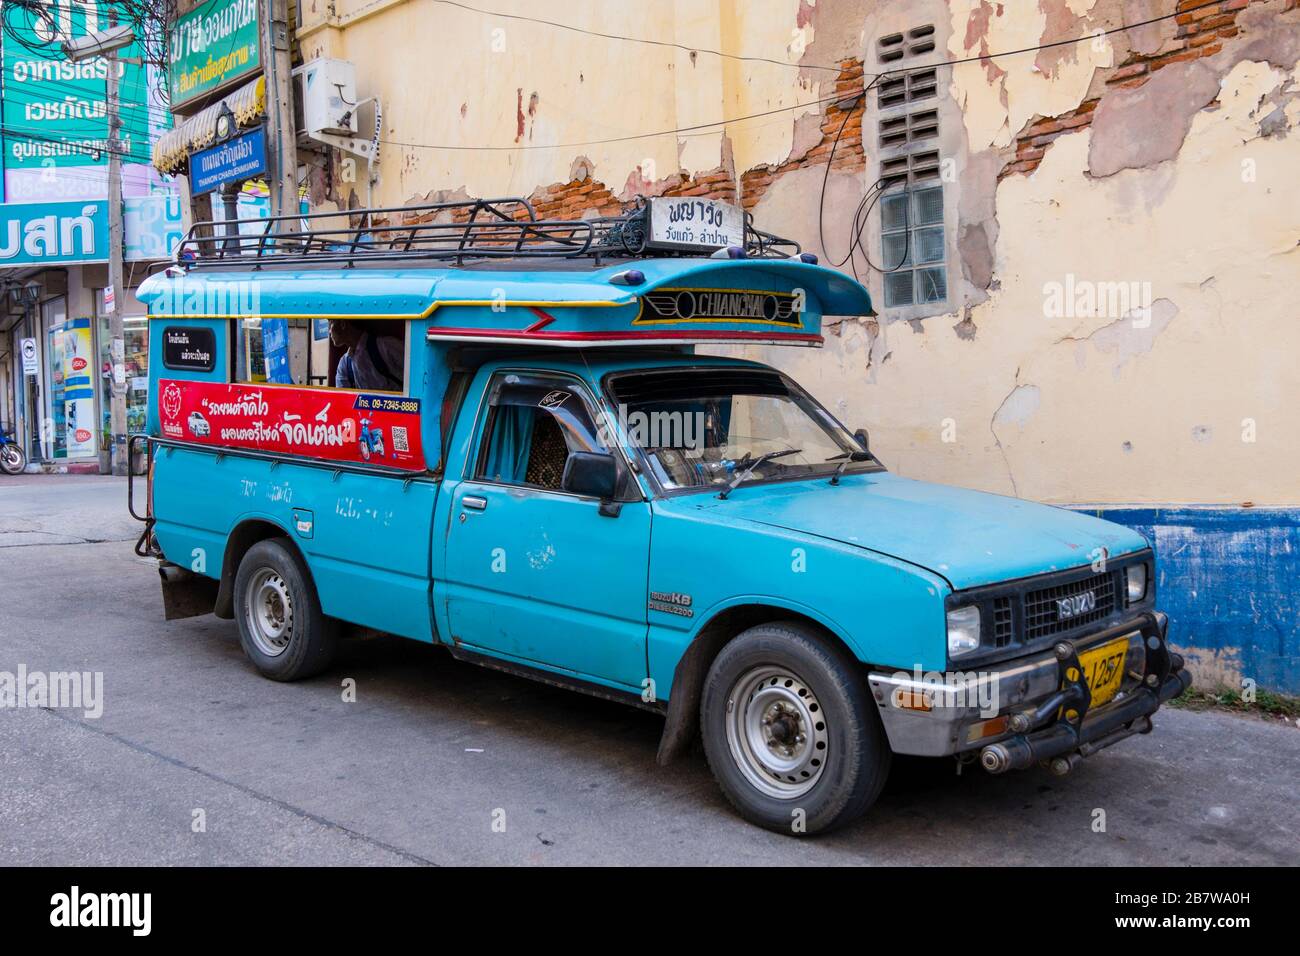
[535, 573]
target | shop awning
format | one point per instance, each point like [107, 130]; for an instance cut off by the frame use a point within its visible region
[172, 151]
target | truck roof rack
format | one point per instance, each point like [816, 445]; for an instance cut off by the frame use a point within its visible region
[453, 232]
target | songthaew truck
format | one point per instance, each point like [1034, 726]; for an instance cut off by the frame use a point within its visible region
[543, 474]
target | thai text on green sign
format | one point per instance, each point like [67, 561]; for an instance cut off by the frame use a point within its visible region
[212, 46]
[55, 112]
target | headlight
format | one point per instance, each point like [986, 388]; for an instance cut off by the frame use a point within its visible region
[963, 630]
[1136, 577]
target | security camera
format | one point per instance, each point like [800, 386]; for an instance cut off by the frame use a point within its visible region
[98, 44]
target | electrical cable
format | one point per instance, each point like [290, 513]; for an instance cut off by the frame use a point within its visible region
[799, 106]
[626, 39]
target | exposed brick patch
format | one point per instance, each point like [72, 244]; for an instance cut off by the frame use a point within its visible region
[849, 155]
[579, 198]
[573, 200]
[1198, 33]
[583, 195]
[1032, 143]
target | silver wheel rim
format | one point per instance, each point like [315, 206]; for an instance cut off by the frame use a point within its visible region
[776, 731]
[269, 612]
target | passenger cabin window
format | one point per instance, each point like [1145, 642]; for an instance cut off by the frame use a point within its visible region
[533, 424]
[368, 356]
[277, 351]
[373, 357]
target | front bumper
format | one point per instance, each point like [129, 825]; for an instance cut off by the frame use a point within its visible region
[1029, 710]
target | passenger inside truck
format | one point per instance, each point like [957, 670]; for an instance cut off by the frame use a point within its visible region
[371, 360]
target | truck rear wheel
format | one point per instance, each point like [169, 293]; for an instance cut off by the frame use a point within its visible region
[791, 731]
[281, 626]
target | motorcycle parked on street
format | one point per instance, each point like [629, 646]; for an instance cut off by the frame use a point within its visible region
[12, 457]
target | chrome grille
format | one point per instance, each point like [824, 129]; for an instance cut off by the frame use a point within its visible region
[1042, 610]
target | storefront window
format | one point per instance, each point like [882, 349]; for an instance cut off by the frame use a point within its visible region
[250, 357]
[72, 391]
[30, 405]
[135, 341]
[54, 314]
[273, 350]
[58, 419]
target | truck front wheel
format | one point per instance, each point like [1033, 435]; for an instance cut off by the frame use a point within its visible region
[281, 626]
[790, 730]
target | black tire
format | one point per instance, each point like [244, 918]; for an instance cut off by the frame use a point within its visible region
[12, 459]
[807, 670]
[270, 572]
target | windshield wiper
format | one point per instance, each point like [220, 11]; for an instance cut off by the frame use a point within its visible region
[761, 459]
[849, 457]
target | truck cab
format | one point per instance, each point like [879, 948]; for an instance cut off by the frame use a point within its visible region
[564, 487]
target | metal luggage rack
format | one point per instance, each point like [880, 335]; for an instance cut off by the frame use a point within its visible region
[452, 231]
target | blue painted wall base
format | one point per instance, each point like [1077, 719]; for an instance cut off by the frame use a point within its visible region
[1229, 579]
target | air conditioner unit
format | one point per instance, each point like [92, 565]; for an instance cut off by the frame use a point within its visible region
[325, 91]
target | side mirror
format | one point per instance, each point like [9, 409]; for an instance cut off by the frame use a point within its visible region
[592, 474]
[863, 440]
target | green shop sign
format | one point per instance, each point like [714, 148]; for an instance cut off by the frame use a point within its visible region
[211, 47]
[54, 111]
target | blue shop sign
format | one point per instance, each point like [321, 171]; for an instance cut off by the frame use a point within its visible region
[53, 233]
[243, 157]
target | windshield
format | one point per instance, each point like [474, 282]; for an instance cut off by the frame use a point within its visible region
[707, 427]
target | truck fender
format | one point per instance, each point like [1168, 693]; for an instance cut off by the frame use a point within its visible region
[243, 536]
[682, 720]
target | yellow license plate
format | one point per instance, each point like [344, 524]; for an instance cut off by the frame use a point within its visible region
[1103, 669]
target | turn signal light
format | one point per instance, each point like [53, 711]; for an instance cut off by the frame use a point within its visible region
[906, 699]
[987, 728]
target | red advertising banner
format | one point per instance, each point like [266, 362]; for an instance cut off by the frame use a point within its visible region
[331, 424]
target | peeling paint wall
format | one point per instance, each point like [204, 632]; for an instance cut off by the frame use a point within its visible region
[1122, 216]
[1160, 159]
[1180, 189]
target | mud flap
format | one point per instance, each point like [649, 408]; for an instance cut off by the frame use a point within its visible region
[186, 594]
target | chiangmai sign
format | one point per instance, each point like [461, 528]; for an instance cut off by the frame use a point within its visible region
[211, 47]
[53, 233]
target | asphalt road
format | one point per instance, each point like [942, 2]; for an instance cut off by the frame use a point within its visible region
[433, 752]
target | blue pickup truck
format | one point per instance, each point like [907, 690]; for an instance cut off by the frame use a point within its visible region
[534, 467]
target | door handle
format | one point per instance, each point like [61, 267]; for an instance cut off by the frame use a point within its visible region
[474, 502]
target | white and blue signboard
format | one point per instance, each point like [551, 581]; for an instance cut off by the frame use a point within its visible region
[153, 226]
[275, 348]
[235, 160]
[53, 233]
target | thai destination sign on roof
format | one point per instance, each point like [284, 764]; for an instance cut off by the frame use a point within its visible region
[211, 47]
[686, 222]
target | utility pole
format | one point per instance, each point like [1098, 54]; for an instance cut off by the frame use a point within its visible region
[117, 415]
[283, 158]
[107, 44]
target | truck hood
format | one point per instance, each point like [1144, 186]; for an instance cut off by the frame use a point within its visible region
[968, 537]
